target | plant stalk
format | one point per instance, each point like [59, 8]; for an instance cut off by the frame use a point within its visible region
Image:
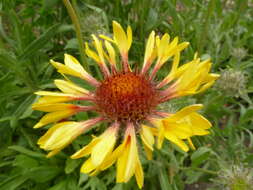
[75, 21]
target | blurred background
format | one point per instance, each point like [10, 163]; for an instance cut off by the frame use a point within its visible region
[33, 32]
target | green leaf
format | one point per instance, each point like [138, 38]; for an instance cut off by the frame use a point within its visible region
[71, 165]
[43, 174]
[59, 186]
[27, 151]
[39, 43]
[164, 179]
[199, 156]
[72, 44]
[13, 182]
[247, 116]
[5, 163]
[24, 161]
[25, 108]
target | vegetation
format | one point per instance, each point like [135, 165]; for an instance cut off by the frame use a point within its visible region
[33, 32]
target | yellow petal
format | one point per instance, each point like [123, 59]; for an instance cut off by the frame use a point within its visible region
[129, 37]
[176, 141]
[87, 167]
[173, 72]
[180, 130]
[53, 153]
[121, 164]
[184, 112]
[163, 45]
[120, 37]
[132, 157]
[91, 53]
[95, 172]
[199, 120]
[113, 157]
[54, 117]
[48, 93]
[72, 63]
[74, 68]
[175, 63]
[64, 69]
[149, 47]
[106, 38]
[111, 52]
[56, 138]
[189, 75]
[53, 107]
[54, 99]
[191, 144]
[170, 50]
[139, 174]
[70, 88]
[158, 123]
[99, 49]
[85, 150]
[182, 46]
[104, 146]
[148, 151]
[147, 136]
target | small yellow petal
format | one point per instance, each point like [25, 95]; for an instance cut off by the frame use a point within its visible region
[91, 53]
[176, 141]
[113, 157]
[147, 136]
[104, 147]
[53, 153]
[74, 64]
[99, 49]
[163, 45]
[70, 88]
[87, 167]
[56, 138]
[139, 174]
[64, 69]
[199, 120]
[120, 37]
[183, 112]
[121, 164]
[85, 150]
[149, 47]
[131, 157]
[52, 107]
[54, 117]
[191, 144]
[180, 130]
[111, 52]
[175, 62]
[129, 37]
[106, 38]
[148, 151]
[48, 93]
[54, 99]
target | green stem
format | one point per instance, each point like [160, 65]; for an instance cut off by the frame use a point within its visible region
[77, 26]
[205, 25]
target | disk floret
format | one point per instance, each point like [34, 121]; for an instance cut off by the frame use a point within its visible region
[126, 97]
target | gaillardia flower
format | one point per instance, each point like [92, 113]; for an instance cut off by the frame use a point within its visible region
[127, 100]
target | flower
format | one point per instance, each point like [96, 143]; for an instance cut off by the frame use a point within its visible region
[128, 101]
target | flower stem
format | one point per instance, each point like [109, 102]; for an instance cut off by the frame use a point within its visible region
[74, 17]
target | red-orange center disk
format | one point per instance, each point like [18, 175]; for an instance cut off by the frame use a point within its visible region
[126, 97]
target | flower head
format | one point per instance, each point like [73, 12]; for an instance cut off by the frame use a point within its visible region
[128, 101]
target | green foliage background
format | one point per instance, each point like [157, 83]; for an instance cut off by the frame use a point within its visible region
[32, 32]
